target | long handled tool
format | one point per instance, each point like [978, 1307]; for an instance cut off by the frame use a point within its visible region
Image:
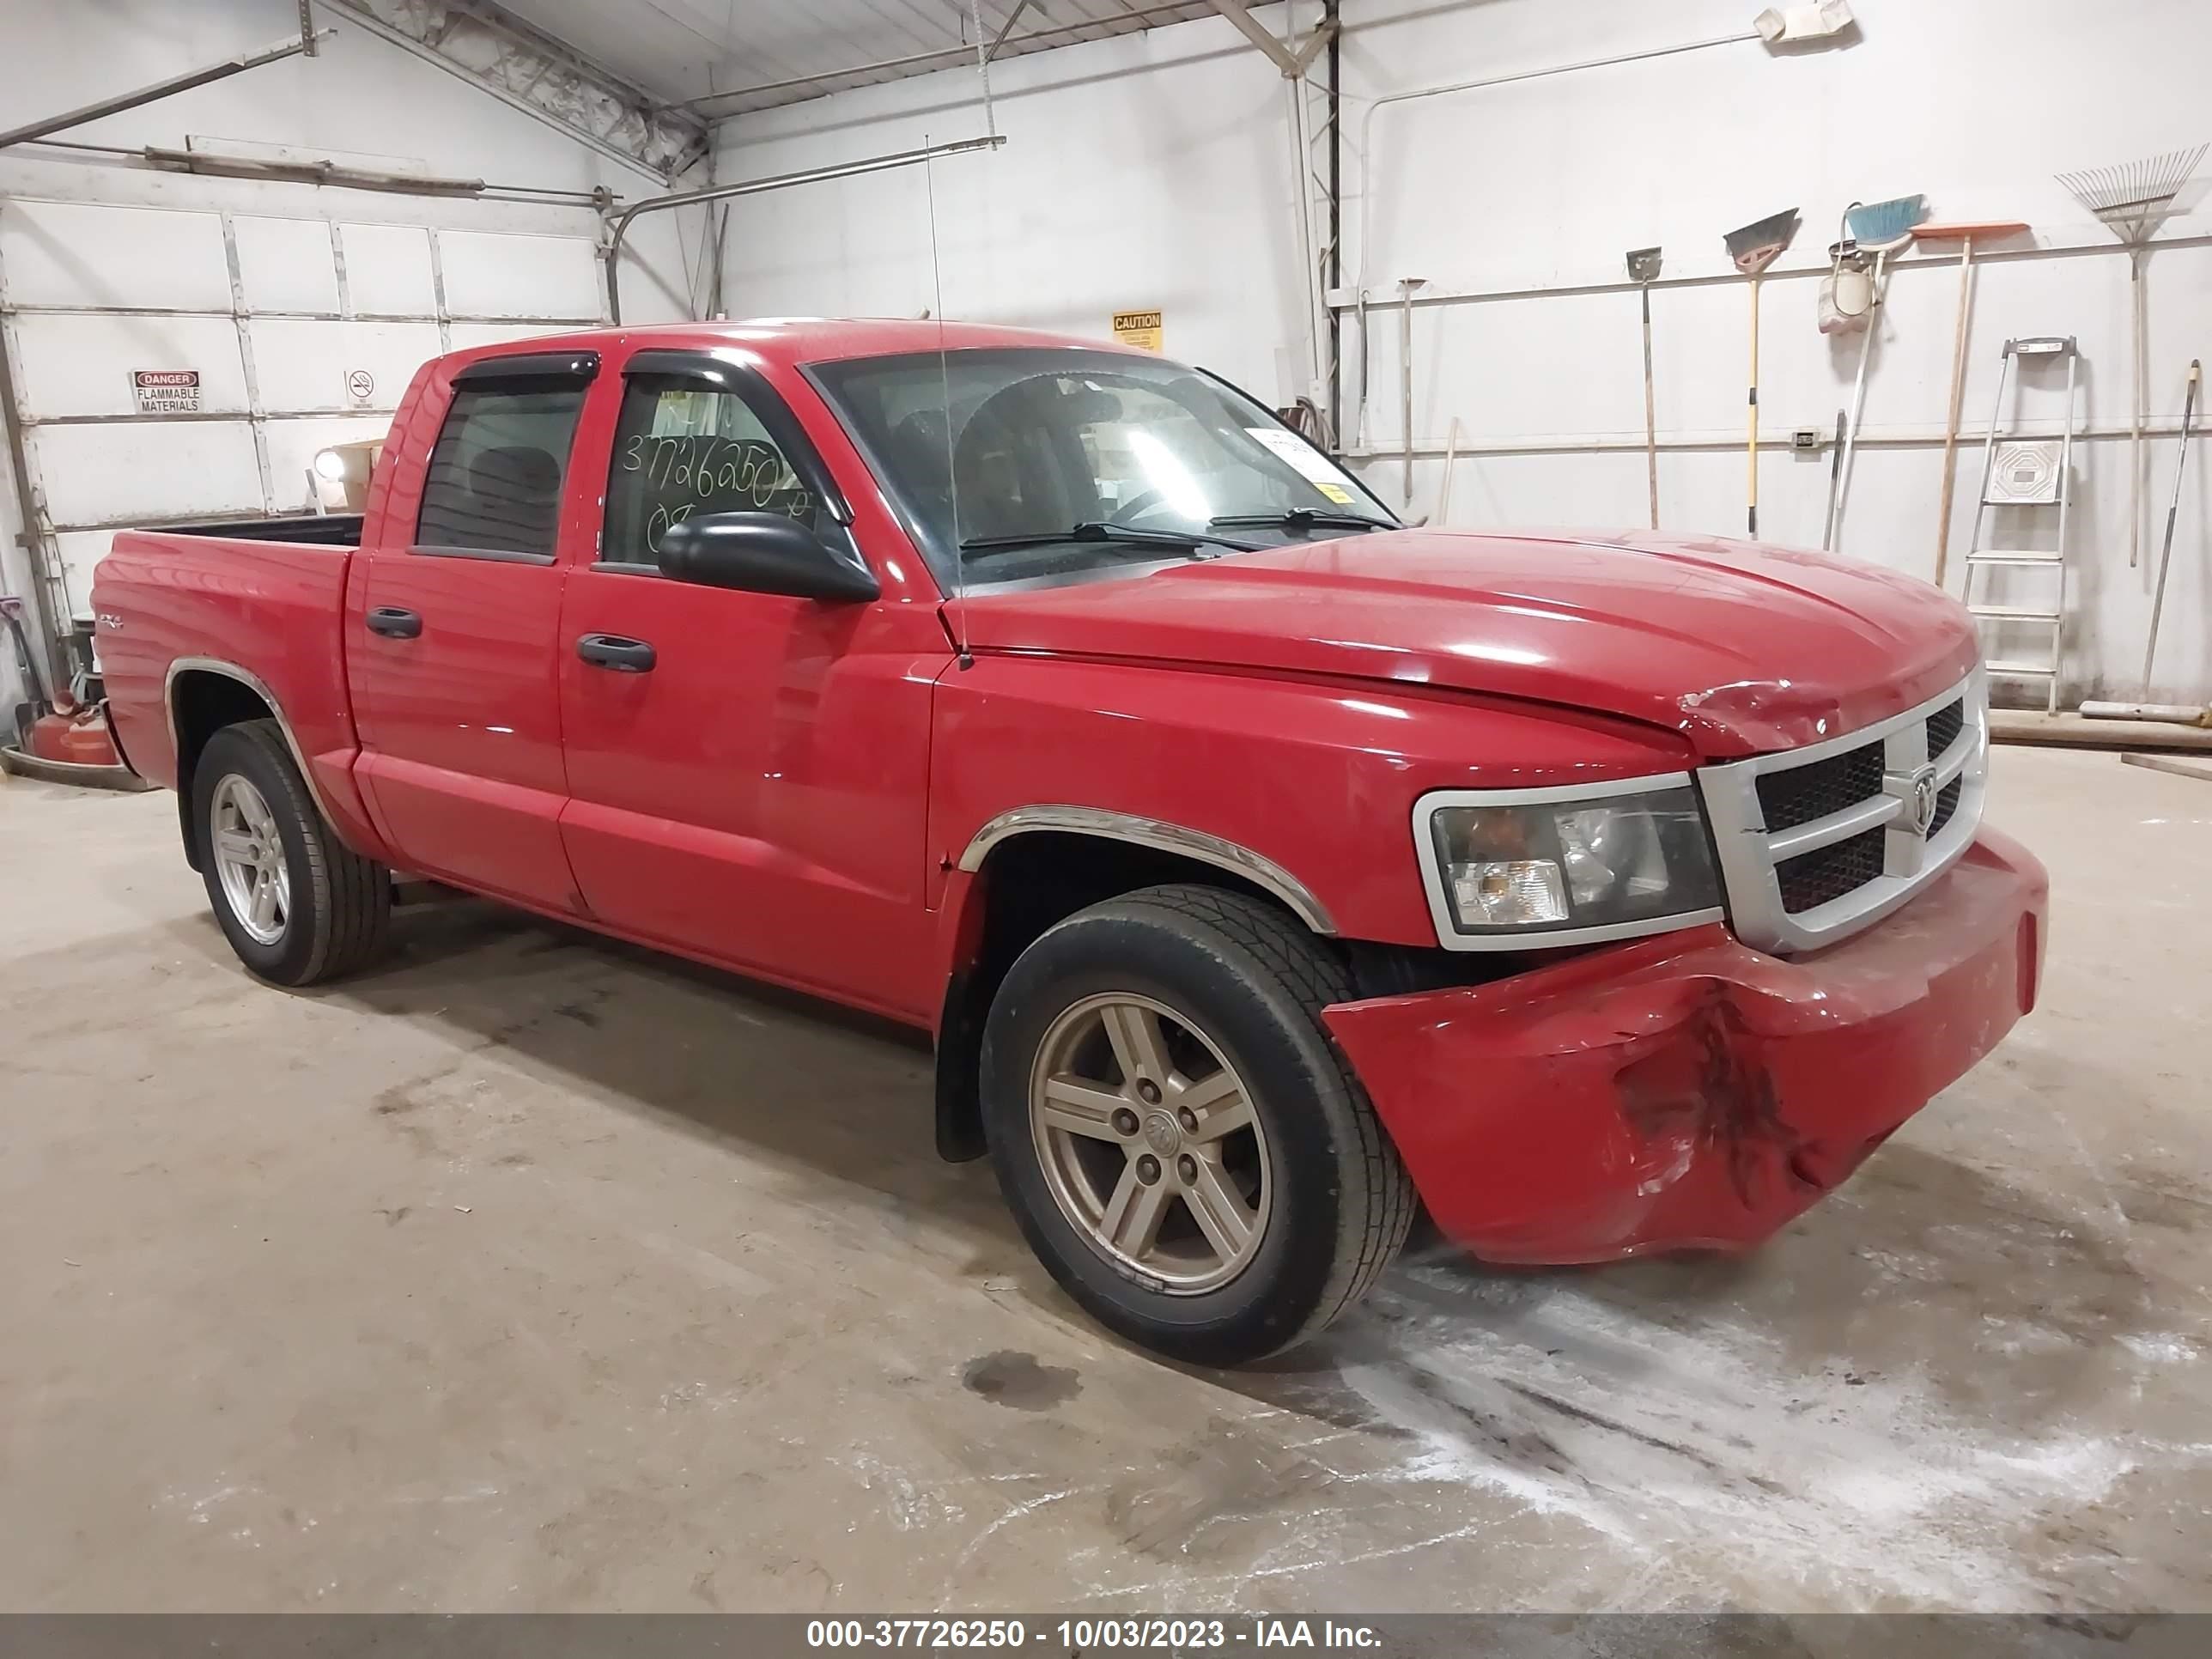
[2145, 709]
[1754, 247]
[1880, 230]
[1835, 470]
[2132, 201]
[2172, 512]
[1643, 271]
[1966, 235]
[1406, 287]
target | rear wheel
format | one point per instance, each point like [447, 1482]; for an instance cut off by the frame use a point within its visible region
[297, 905]
[1182, 1146]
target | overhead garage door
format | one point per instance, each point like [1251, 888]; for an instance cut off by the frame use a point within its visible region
[178, 365]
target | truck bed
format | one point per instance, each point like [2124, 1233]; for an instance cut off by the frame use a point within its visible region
[247, 609]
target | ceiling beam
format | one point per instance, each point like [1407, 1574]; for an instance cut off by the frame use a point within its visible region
[948, 56]
[1006, 28]
[1257, 33]
[160, 89]
[486, 45]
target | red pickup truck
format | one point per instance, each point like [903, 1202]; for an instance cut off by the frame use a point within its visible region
[1262, 868]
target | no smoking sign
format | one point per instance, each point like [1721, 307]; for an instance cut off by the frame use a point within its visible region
[361, 384]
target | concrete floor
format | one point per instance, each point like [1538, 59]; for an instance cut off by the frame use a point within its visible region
[530, 1272]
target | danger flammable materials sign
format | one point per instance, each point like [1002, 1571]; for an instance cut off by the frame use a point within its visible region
[165, 391]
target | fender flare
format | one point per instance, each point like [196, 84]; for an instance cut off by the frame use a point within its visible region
[1255, 868]
[259, 687]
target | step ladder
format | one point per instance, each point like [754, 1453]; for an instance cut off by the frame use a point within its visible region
[2027, 472]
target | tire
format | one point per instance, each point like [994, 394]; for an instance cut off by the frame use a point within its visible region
[1320, 1199]
[336, 905]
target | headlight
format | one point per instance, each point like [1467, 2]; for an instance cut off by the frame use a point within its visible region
[1504, 866]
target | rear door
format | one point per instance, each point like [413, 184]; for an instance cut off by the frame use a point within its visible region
[452, 633]
[750, 786]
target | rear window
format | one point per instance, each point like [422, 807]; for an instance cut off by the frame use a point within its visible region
[496, 476]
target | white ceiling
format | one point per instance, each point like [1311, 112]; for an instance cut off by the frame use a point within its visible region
[682, 49]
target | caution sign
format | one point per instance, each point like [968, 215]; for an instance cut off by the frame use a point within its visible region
[165, 391]
[1140, 328]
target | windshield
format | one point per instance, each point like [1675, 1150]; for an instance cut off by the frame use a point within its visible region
[1066, 462]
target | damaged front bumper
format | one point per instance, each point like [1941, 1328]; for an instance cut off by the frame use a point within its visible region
[1686, 1092]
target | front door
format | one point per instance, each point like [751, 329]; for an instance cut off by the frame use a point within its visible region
[747, 772]
[451, 637]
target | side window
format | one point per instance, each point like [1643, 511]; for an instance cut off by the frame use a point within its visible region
[494, 478]
[683, 448]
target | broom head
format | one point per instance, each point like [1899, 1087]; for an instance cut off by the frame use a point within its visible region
[1881, 227]
[1760, 245]
[1643, 264]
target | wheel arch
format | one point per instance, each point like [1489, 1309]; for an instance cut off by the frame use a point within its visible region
[1252, 869]
[1032, 868]
[202, 694]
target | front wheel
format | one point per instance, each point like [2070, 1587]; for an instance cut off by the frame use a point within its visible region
[1182, 1146]
[296, 904]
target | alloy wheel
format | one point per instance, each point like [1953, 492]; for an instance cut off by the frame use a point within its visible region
[1150, 1142]
[249, 859]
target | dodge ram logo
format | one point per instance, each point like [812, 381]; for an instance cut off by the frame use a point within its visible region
[1922, 801]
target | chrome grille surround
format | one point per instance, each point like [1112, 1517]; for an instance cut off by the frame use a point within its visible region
[1915, 792]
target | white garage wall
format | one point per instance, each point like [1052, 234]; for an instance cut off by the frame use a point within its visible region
[362, 94]
[1156, 169]
[1151, 170]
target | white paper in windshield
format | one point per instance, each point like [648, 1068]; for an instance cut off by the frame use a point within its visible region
[1312, 466]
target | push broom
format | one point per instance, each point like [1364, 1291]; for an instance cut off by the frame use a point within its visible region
[1965, 234]
[1753, 248]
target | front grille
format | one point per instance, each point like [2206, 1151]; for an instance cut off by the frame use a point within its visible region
[1944, 727]
[1812, 879]
[1815, 844]
[1805, 793]
[1947, 802]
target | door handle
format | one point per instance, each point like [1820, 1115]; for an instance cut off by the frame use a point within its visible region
[624, 656]
[395, 624]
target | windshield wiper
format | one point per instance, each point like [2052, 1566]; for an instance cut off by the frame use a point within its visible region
[1096, 530]
[1304, 518]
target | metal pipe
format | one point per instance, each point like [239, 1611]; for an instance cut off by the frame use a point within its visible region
[1310, 293]
[1345, 299]
[1406, 287]
[904, 158]
[213, 163]
[1006, 29]
[55, 668]
[2065, 505]
[2169, 714]
[159, 89]
[2173, 512]
[1329, 20]
[1704, 440]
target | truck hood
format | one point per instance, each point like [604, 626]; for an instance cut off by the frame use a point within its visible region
[1738, 646]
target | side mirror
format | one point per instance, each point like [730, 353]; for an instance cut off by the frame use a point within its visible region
[762, 553]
